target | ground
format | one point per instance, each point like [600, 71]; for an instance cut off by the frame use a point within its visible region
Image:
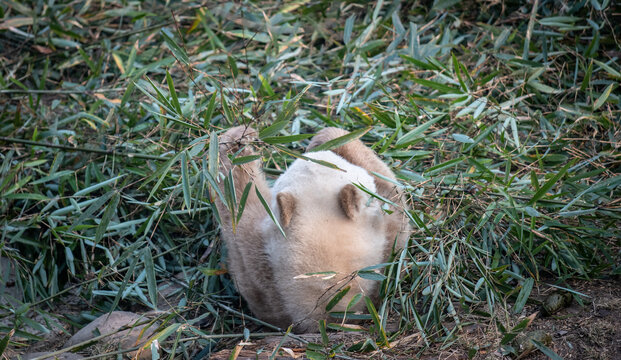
[589, 331]
[592, 331]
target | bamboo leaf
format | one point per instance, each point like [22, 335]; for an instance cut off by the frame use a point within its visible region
[173, 93]
[437, 168]
[269, 211]
[106, 217]
[147, 258]
[549, 184]
[336, 298]
[383, 340]
[210, 109]
[286, 139]
[546, 350]
[185, 180]
[177, 51]
[604, 96]
[523, 295]
[417, 132]
[242, 201]
[97, 186]
[90, 211]
[445, 89]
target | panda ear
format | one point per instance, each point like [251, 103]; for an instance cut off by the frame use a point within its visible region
[350, 200]
[286, 204]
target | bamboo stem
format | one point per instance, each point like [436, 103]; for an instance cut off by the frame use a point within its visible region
[83, 149]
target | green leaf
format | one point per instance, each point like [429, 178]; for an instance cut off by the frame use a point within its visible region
[543, 88]
[444, 4]
[162, 335]
[336, 298]
[300, 156]
[5, 341]
[284, 116]
[383, 339]
[614, 73]
[177, 51]
[97, 186]
[242, 201]
[90, 211]
[107, 216]
[603, 97]
[322, 330]
[481, 136]
[420, 64]
[214, 155]
[162, 172]
[354, 300]
[265, 84]
[546, 350]
[515, 331]
[150, 271]
[286, 139]
[228, 113]
[233, 66]
[371, 275]
[587, 77]
[27, 196]
[549, 184]
[53, 176]
[129, 274]
[527, 287]
[269, 211]
[417, 132]
[185, 180]
[437, 168]
[314, 355]
[245, 159]
[210, 109]
[437, 86]
[88, 61]
[173, 93]
[349, 26]
[272, 130]
[463, 138]
[230, 193]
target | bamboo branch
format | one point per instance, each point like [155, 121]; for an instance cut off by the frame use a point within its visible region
[66, 91]
[83, 149]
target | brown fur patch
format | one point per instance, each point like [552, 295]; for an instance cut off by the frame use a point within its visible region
[349, 199]
[286, 203]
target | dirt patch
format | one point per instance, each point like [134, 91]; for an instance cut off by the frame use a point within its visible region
[592, 331]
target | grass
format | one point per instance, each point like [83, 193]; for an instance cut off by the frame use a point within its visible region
[503, 125]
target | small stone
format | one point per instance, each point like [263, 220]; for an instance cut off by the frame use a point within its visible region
[555, 302]
[524, 345]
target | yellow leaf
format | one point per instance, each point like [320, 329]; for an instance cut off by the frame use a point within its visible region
[16, 22]
[118, 62]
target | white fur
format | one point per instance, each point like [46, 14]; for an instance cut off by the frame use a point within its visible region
[322, 238]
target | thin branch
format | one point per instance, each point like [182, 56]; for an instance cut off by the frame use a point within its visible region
[83, 149]
[30, 91]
